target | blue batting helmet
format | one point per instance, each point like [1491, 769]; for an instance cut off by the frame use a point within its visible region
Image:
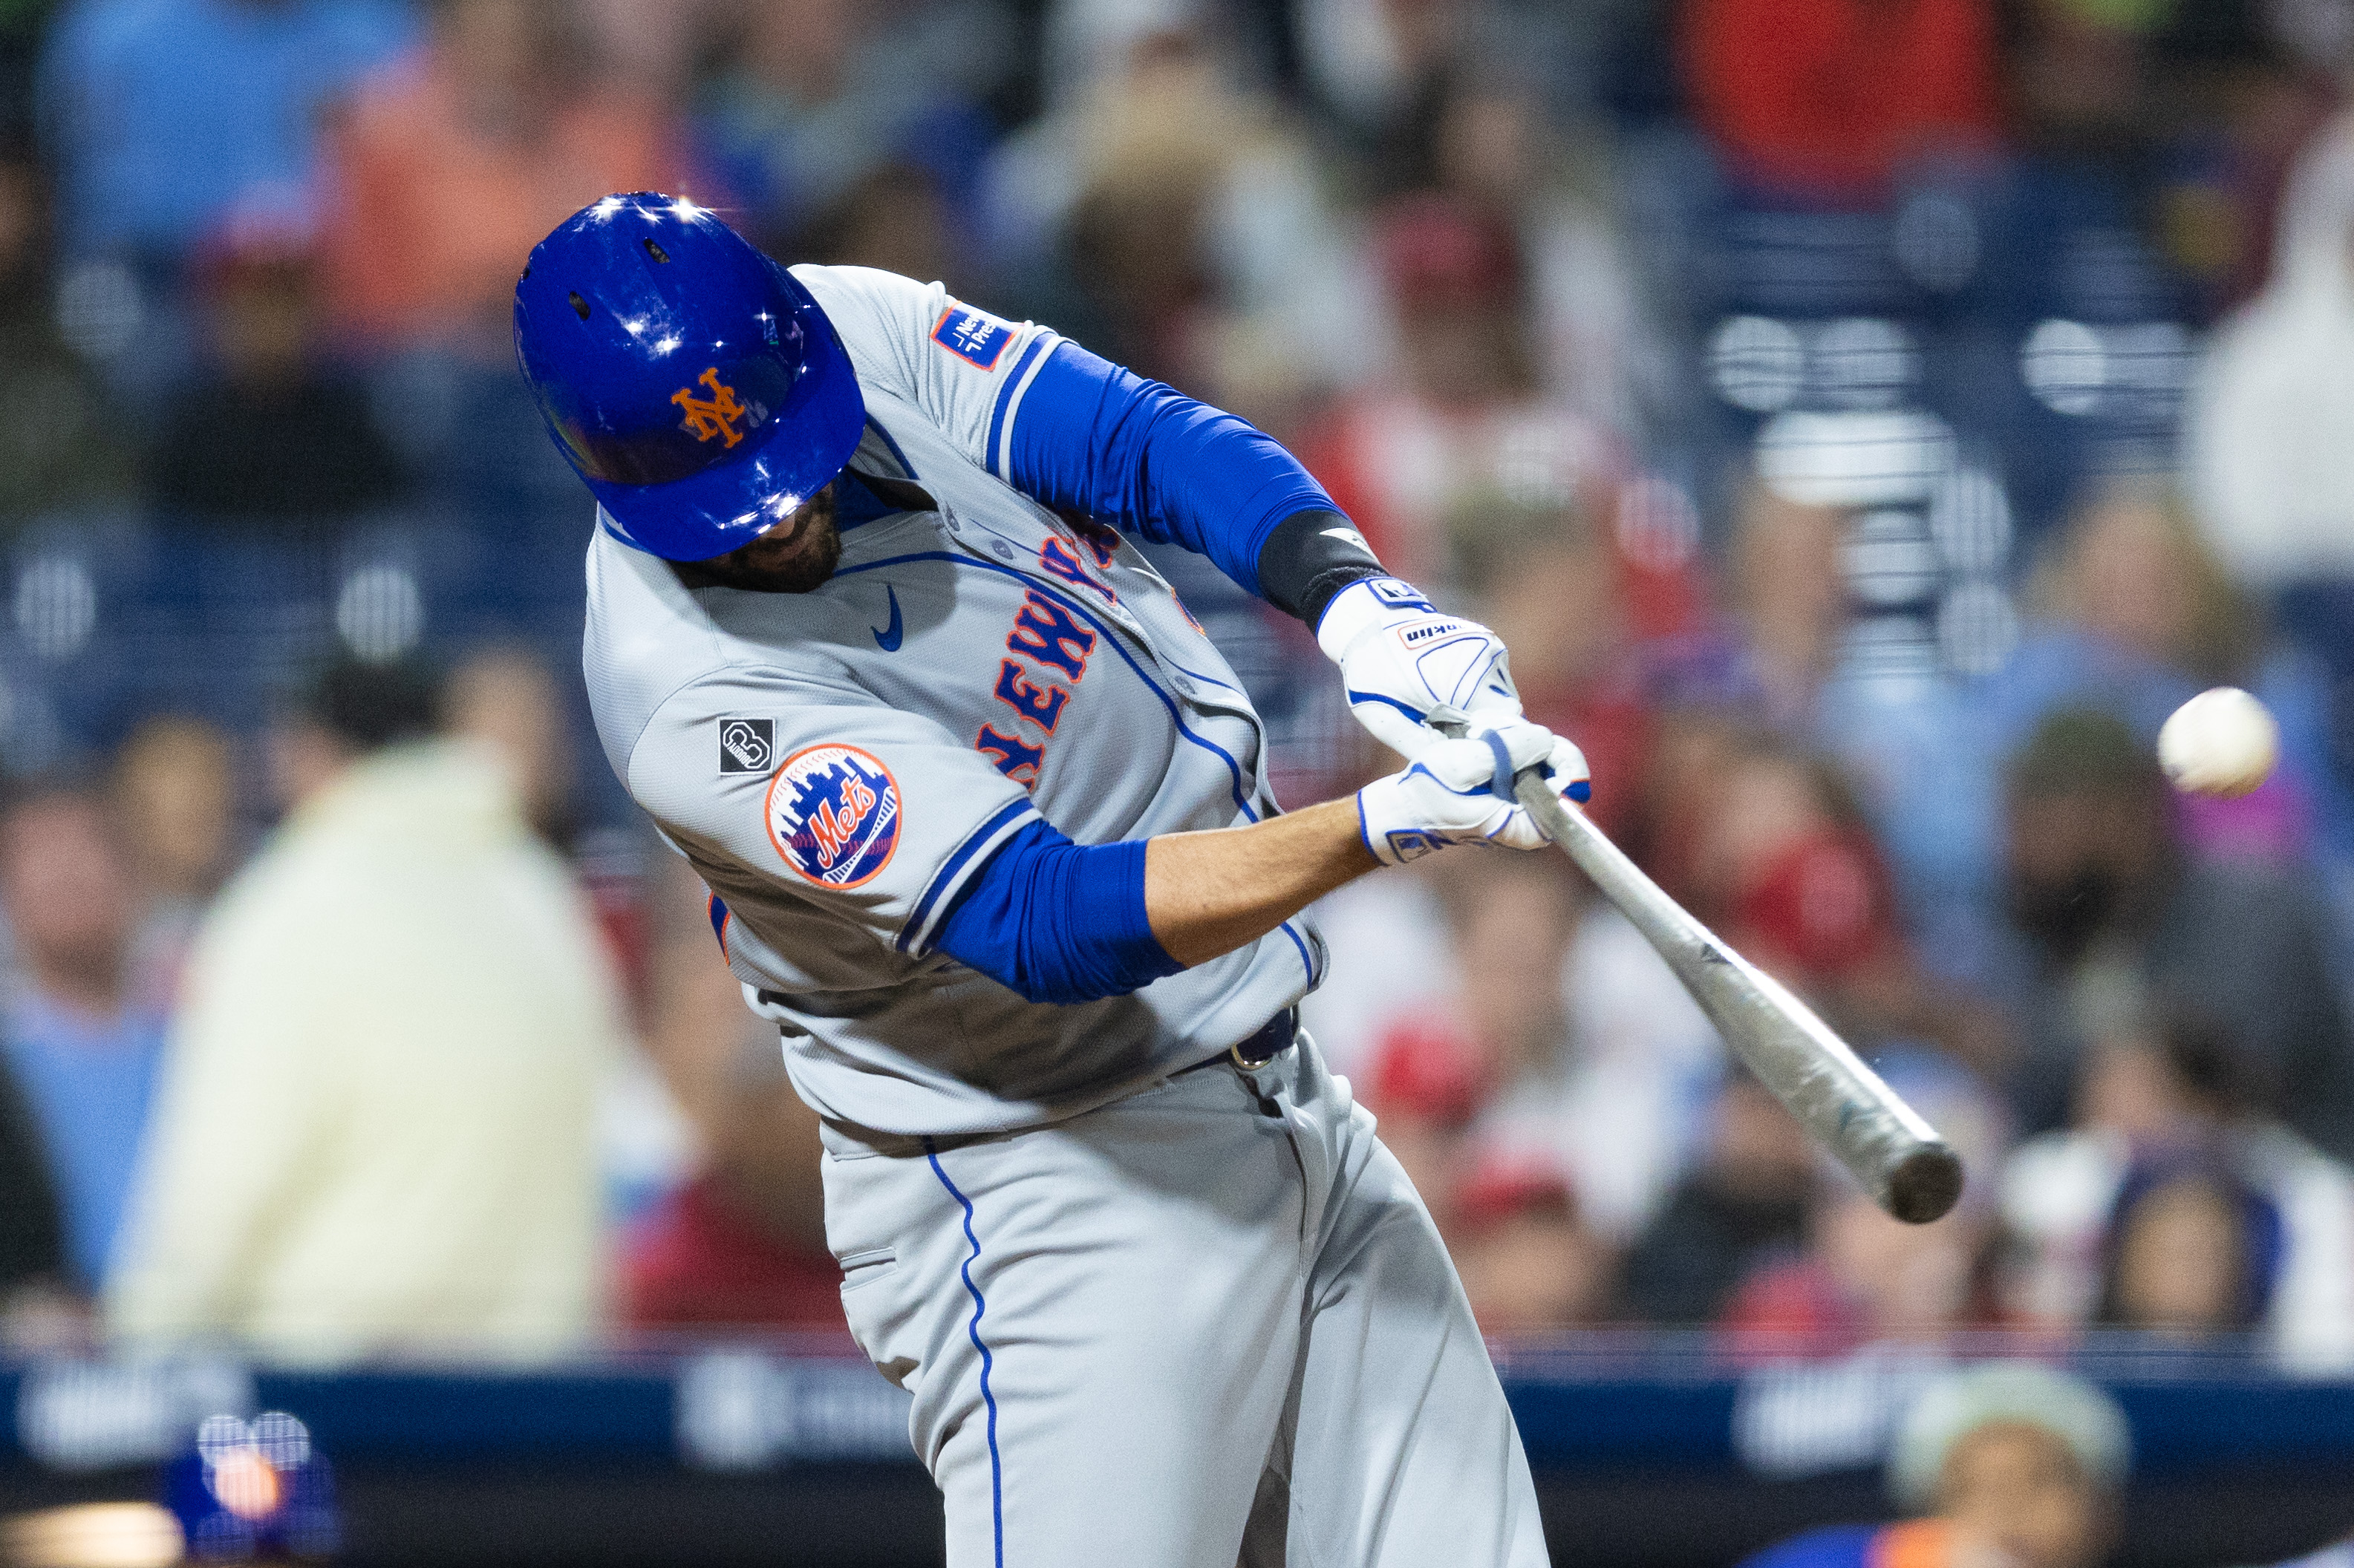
[688, 379]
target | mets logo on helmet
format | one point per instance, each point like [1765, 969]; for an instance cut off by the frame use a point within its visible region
[712, 416]
[834, 815]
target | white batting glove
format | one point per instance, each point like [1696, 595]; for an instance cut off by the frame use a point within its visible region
[1407, 668]
[1460, 791]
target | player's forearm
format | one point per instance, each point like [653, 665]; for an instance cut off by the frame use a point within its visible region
[1208, 893]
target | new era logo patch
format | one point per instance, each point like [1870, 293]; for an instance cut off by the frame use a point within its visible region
[975, 336]
[747, 744]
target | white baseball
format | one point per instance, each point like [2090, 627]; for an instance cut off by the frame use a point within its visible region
[2221, 742]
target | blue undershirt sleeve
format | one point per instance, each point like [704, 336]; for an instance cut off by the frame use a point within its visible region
[1058, 922]
[1096, 438]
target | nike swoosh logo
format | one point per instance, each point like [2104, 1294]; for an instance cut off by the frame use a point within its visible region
[886, 638]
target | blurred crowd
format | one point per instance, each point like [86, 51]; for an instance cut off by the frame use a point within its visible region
[1864, 421]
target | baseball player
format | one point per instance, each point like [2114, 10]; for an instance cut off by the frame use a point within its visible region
[980, 811]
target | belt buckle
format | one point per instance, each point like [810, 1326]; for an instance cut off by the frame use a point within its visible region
[1275, 1033]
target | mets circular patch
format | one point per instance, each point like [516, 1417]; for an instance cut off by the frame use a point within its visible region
[834, 814]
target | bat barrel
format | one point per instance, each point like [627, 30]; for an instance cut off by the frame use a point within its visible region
[1908, 1170]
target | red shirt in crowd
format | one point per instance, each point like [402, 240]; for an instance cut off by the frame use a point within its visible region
[694, 1262]
[1827, 97]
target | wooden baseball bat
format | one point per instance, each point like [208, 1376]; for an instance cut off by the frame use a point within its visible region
[1908, 1170]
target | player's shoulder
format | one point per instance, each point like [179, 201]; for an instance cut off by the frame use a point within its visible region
[870, 294]
[656, 662]
[738, 718]
[883, 317]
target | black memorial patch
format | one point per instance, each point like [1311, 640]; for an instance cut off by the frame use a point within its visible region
[748, 745]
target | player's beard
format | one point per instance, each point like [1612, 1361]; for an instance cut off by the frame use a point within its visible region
[796, 556]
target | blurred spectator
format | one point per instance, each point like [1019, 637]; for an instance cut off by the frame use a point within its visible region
[2172, 1097]
[1389, 964]
[1782, 865]
[1829, 100]
[742, 1242]
[1376, 65]
[1694, 750]
[1795, 883]
[1380, 72]
[1466, 414]
[176, 797]
[1789, 614]
[1547, 585]
[653, 45]
[895, 219]
[504, 698]
[2188, 114]
[1527, 1258]
[266, 432]
[390, 1142]
[1598, 351]
[1742, 1207]
[61, 450]
[2191, 1251]
[1165, 213]
[811, 97]
[82, 1037]
[1104, 211]
[2135, 617]
[449, 165]
[2080, 80]
[2273, 384]
[160, 113]
[1426, 1085]
[174, 791]
[2009, 1463]
[1793, 653]
[1588, 1059]
[2131, 616]
[2276, 386]
[2107, 913]
[1785, 597]
[1869, 1279]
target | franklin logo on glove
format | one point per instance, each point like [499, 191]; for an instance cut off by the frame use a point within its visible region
[1409, 670]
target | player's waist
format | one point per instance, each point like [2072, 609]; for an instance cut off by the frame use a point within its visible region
[848, 1139]
[1272, 1040]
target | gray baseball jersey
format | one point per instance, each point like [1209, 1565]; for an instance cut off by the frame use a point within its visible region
[837, 764]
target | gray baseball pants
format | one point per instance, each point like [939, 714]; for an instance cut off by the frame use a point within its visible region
[1207, 1324]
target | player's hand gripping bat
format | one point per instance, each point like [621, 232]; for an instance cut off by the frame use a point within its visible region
[1843, 1105]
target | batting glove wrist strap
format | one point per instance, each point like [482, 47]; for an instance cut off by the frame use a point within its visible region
[1407, 669]
[1363, 605]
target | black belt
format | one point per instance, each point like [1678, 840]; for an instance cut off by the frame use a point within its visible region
[1272, 1040]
